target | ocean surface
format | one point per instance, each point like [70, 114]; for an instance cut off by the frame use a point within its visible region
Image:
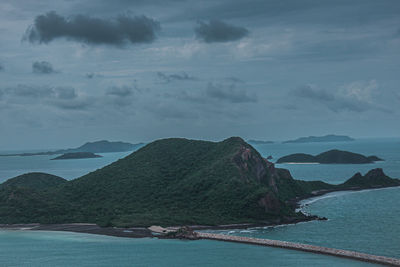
[366, 221]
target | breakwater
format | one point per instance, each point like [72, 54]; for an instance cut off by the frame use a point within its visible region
[303, 247]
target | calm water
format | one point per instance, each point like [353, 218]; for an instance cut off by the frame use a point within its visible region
[70, 249]
[364, 221]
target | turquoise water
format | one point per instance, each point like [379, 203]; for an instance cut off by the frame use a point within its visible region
[21, 248]
[366, 221]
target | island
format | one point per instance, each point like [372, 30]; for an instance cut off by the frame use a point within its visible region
[102, 146]
[171, 182]
[333, 156]
[325, 138]
[77, 155]
[259, 142]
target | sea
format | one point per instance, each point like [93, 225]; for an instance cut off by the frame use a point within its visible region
[365, 221]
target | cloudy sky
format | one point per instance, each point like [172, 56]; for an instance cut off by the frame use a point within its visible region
[137, 70]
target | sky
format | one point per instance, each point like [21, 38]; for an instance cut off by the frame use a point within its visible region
[137, 70]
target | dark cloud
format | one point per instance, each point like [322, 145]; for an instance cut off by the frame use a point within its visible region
[90, 75]
[29, 91]
[175, 77]
[72, 104]
[42, 67]
[219, 31]
[311, 92]
[65, 93]
[228, 93]
[122, 91]
[1, 67]
[119, 31]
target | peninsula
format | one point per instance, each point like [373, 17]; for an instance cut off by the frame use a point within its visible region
[103, 146]
[173, 182]
[329, 157]
[325, 138]
[77, 155]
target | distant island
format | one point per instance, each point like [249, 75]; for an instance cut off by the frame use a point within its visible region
[173, 182]
[259, 142]
[77, 155]
[103, 146]
[329, 157]
[325, 138]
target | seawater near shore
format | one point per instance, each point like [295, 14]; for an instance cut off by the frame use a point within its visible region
[303, 247]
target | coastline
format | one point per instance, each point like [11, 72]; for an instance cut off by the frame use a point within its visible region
[142, 232]
[86, 228]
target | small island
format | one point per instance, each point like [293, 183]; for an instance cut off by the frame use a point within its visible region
[329, 157]
[78, 155]
[325, 138]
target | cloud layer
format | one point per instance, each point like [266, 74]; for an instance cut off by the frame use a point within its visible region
[94, 31]
[356, 97]
[219, 31]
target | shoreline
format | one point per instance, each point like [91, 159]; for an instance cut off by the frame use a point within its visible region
[141, 232]
[85, 228]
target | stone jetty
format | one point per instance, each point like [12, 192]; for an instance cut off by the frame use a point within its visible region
[303, 247]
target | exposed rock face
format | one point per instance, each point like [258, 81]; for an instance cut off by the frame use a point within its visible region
[248, 160]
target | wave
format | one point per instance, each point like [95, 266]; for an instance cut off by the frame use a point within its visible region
[302, 163]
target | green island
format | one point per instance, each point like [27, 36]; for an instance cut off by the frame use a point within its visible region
[77, 155]
[333, 156]
[172, 182]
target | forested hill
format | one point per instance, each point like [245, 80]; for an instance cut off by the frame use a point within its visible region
[168, 182]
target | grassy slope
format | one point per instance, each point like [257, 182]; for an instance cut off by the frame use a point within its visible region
[172, 181]
[168, 182]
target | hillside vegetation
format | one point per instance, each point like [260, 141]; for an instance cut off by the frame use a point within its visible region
[167, 182]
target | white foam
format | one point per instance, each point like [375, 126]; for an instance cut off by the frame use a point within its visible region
[301, 163]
